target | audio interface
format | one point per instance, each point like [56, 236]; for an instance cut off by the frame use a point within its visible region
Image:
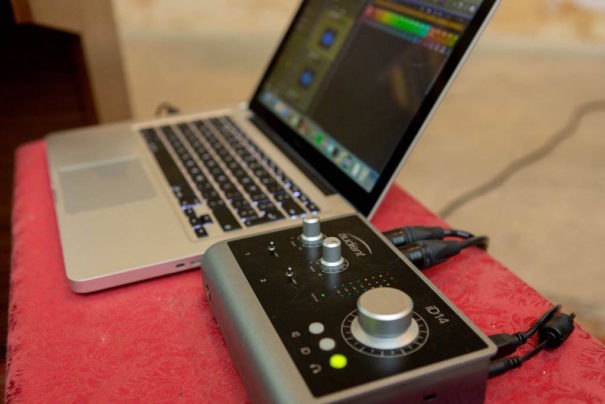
[331, 311]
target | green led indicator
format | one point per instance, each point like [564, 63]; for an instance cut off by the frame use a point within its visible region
[338, 361]
[323, 295]
[319, 138]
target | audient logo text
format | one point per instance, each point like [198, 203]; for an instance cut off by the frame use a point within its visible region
[353, 242]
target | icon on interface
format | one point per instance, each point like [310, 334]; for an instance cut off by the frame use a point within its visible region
[327, 38]
[306, 78]
[315, 368]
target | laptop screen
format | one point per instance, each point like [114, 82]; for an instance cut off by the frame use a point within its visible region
[351, 76]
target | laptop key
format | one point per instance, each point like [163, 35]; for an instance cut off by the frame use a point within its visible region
[265, 204]
[255, 220]
[292, 208]
[303, 198]
[273, 214]
[210, 195]
[215, 201]
[205, 186]
[200, 178]
[222, 179]
[216, 171]
[205, 219]
[240, 204]
[225, 218]
[193, 220]
[233, 194]
[193, 170]
[188, 199]
[175, 178]
[246, 213]
[274, 188]
[258, 197]
[281, 196]
[200, 231]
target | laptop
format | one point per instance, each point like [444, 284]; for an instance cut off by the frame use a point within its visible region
[343, 101]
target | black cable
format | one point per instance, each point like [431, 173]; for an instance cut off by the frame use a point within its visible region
[426, 253]
[508, 343]
[534, 351]
[524, 161]
[538, 324]
[551, 335]
[457, 233]
[401, 236]
[500, 366]
[556, 330]
[479, 241]
[165, 108]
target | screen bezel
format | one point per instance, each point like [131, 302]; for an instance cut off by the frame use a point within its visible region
[362, 200]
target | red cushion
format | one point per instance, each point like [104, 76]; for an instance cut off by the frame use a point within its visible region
[157, 340]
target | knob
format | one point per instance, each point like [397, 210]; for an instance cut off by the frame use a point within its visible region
[384, 319]
[331, 260]
[311, 235]
[271, 247]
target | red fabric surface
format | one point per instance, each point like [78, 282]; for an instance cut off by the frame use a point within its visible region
[157, 340]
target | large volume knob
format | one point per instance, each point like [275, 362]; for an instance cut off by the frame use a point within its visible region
[384, 319]
[311, 235]
[331, 260]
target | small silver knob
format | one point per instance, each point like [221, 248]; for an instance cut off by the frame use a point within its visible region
[384, 319]
[311, 235]
[331, 259]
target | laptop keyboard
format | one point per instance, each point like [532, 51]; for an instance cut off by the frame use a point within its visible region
[212, 162]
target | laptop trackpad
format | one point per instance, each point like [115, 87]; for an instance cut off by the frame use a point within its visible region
[104, 184]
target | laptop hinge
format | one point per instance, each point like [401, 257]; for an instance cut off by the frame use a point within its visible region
[298, 160]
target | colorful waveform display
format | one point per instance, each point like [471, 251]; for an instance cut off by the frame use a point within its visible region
[414, 30]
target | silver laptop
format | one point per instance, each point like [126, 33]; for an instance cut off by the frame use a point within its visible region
[335, 115]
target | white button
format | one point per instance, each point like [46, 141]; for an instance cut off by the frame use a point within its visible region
[316, 328]
[326, 344]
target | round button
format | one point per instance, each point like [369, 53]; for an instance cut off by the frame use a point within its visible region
[331, 260]
[385, 312]
[311, 235]
[331, 250]
[338, 361]
[327, 344]
[384, 319]
[316, 328]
